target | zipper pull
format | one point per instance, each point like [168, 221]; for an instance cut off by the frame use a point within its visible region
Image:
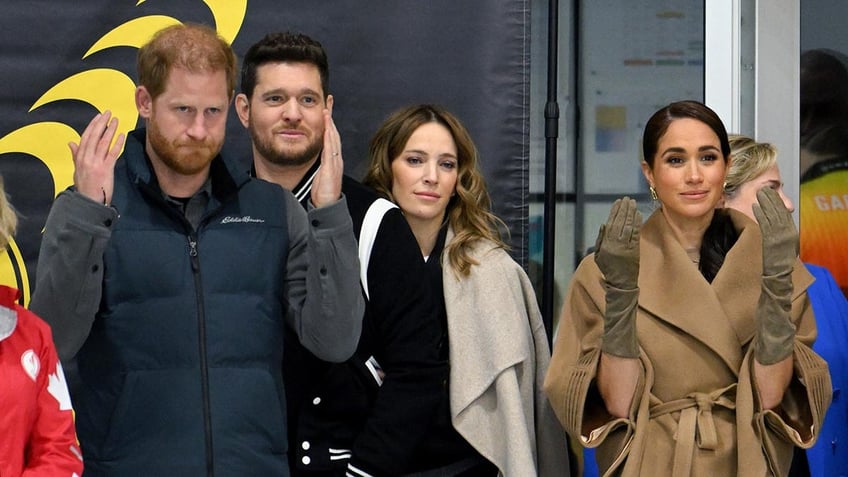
[192, 252]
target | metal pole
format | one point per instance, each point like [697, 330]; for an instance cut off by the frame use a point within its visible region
[551, 132]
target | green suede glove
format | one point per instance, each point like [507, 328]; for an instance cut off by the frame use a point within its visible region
[775, 330]
[617, 256]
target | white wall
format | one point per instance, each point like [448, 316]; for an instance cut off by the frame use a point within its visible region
[752, 74]
[777, 84]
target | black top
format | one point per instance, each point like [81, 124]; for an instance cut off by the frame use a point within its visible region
[443, 445]
[336, 414]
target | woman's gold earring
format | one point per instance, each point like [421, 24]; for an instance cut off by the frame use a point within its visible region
[653, 193]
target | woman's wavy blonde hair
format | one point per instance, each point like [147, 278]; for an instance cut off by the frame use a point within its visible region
[469, 212]
[8, 218]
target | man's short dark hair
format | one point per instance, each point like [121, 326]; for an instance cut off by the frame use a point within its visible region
[283, 47]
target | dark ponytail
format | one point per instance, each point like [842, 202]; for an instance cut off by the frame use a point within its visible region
[718, 239]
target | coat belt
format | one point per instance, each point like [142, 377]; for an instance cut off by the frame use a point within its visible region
[696, 424]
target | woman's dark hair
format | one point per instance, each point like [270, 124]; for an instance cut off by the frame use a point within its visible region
[720, 235]
[824, 90]
[658, 124]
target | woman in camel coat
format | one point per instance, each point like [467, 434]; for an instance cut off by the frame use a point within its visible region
[696, 361]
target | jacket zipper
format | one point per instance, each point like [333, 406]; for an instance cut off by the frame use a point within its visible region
[204, 369]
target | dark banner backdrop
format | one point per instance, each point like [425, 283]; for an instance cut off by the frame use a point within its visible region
[62, 62]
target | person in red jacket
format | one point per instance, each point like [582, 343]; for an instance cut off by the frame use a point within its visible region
[37, 436]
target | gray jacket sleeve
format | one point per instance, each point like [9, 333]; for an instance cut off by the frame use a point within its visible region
[69, 274]
[325, 304]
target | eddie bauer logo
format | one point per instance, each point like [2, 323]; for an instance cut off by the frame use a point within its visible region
[245, 219]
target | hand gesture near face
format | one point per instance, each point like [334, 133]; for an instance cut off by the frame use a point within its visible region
[617, 247]
[780, 237]
[327, 186]
[775, 330]
[617, 256]
[94, 160]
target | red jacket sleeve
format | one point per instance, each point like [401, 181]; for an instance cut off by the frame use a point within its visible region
[53, 449]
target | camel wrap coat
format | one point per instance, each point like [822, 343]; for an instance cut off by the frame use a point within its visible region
[499, 355]
[695, 412]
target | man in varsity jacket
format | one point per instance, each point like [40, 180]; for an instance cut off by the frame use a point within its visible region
[366, 416]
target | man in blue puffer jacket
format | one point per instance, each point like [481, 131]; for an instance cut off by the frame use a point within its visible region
[169, 277]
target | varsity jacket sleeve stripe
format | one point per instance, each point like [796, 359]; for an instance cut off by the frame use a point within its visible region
[353, 471]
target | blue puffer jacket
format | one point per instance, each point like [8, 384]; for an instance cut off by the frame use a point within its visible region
[197, 372]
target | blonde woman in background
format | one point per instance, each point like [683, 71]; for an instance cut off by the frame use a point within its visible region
[754, 166]
[37, 436]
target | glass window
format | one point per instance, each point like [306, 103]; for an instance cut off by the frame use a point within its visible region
[618, 63]
[823, 191]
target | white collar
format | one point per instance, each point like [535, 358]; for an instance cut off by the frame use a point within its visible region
[8, 321]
